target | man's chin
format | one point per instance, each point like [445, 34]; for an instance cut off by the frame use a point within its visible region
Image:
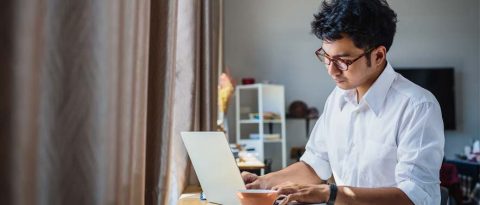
[344, 86]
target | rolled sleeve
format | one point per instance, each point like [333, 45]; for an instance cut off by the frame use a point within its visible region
[414, 192]
[316, 154]
[319, 165]
[420, 154]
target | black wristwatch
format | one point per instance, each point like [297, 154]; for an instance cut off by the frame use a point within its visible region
[333, 194]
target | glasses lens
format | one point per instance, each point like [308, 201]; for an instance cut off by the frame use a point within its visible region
[326, 60]
[322, 57]
[341, 65]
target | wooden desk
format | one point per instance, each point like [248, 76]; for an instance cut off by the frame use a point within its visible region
[249, 165]
[191, 196]
[252, 165]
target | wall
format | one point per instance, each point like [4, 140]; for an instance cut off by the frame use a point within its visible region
[271, 40]
[444, 33]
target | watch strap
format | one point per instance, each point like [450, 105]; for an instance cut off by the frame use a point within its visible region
[333, 194]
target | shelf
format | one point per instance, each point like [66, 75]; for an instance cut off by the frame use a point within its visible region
[262, 100]
[258, 121]
[265, 140]
[302, 118]
[256, 86]
[273, 141]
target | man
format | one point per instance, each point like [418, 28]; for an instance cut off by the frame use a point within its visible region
[380, 135]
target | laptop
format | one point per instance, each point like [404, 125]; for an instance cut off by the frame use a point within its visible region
[215, 166]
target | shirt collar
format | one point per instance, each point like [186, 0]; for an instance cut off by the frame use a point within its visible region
[346, 96]
[376, 94]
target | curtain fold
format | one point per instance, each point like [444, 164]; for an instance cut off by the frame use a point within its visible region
[77, 85]
[189, 70]
[160, 96]
[6, 100]
[95, 95]
[208, 69]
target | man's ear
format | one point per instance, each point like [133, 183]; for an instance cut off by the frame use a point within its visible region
[380, 54]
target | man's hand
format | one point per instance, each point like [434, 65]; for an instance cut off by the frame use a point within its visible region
[252, 181]
[290, 173]
[305, 193]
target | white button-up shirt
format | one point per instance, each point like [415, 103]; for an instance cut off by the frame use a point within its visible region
[392, 138]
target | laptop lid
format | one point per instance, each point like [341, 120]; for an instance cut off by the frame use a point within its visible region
[214, 165]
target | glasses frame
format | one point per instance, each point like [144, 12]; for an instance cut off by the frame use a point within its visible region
[321, 54]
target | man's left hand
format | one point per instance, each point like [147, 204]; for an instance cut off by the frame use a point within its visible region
[304, 193]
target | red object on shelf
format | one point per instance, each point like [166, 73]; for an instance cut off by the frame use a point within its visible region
[248, 81]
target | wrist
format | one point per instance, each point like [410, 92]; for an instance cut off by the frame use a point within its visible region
[332, 194]
[327, 192]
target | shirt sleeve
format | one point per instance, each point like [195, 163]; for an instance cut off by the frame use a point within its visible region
[420, 153]
[316, 154]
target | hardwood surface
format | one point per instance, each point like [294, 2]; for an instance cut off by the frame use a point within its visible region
[191, 196]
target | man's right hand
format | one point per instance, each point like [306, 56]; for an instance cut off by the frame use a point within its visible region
[289, 174]
[253, 181]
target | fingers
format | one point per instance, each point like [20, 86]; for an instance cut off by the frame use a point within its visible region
[253, 181]
[307, 195]
[295, 197]
[253, 185]
[287, 188]
[248, 177]
[301, 193]
[301, 196]
[285, 184]
[282, 200]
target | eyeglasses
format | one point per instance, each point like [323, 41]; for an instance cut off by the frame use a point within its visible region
[338, 62]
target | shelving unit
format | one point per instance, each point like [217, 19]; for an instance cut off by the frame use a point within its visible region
[260, 99]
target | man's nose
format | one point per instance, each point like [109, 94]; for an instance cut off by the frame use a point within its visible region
[332, 69]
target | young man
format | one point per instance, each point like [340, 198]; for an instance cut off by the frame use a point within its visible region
[380, 135]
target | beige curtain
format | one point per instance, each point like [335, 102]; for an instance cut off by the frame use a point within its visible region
[77, 102]
[95, 93]
[190, 76]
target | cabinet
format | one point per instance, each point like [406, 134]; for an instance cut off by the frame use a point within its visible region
[260, 120]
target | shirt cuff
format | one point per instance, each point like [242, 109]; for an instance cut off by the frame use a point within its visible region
[414, 192]
[319, 165]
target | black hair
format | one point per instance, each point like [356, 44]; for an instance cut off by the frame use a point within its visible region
[369, 23]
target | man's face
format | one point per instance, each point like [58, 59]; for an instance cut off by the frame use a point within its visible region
[358, 74]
